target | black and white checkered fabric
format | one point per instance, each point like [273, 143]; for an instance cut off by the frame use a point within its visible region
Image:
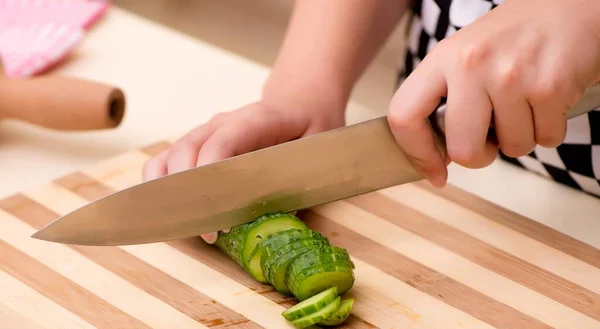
[575, 163]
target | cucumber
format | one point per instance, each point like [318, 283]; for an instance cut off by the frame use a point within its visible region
[232, 242]
[311, 305]
[316, 279]
[320, 315]
[281, 250]
[318, 257]
[265, 226]
[271, 244]
[267, 259]
[340, 315]
[276, 271]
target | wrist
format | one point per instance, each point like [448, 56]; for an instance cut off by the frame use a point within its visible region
[306, 92]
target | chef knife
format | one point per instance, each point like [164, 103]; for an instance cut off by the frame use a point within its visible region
[296, 175]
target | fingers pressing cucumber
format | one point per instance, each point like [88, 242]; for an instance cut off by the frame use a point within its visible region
[279, 249]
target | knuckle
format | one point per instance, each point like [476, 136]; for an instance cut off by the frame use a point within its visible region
[218, 118]
[509, 75]
[466, 156]
[473, 56]
[399, 119]
[443, 47]
[182, 147]
[151, 168]
[548, 89]
[516, 149]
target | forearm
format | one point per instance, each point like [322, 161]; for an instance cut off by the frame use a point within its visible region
[328, 45]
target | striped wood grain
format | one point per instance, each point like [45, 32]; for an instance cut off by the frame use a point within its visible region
[425, 258]
[9, 318]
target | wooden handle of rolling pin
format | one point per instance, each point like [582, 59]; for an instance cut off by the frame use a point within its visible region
[61, 103]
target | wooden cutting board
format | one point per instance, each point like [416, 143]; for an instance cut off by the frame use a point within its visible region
[424, 258]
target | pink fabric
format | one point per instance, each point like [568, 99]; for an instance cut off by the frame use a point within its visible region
[37, 34]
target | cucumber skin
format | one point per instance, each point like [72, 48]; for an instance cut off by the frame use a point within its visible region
[278, 281]
[277, 240]
[245, 254]
[308, 307]
[318, 258]
[269, 245]
[288, 253]
[314, 318]
[307, 274]
[267, 259]
[233, 242]
[340, 315]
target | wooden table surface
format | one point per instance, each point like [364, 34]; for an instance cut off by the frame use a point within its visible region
[425, 258]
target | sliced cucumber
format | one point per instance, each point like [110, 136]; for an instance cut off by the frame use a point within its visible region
[272, 243]
[322, 277]
[269, 257]
[281, 250]
[265, 226]
[320, 315]
[317, 258]
[340, 315]
[232, 242]
[276, 271]
[311, 305]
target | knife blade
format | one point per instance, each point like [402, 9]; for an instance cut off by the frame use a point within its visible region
[296, 175]
[291, 176]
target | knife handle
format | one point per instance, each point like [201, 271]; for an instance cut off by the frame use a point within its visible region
[589, 102]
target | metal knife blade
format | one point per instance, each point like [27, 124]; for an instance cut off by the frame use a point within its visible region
[296, 175]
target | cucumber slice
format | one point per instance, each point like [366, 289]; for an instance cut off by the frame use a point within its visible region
[232, 242]
[269, 245]
[314, 318]
[276, 270]
[311, 305]
[265, 226]
[322, 277]
[318, 257]
[281, 250]
[340, 315]
[267, 259]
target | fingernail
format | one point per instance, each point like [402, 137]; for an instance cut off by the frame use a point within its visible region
[210, 238]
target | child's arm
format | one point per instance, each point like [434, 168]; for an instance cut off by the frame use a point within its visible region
[328, 45]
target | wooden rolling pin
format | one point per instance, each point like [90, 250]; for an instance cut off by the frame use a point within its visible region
[61, 103]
